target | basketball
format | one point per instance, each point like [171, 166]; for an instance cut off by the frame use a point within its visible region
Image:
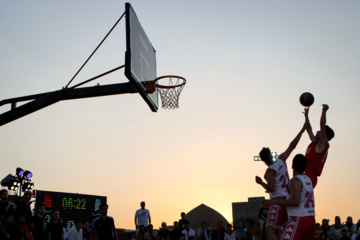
[307, 99]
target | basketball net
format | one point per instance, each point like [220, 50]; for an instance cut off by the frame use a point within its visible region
[169, 88]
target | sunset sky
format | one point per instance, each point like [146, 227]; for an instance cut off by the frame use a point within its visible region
[246, 63]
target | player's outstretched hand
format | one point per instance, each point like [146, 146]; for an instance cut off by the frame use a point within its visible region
[258, 180]
[325, 107]
[306, 112]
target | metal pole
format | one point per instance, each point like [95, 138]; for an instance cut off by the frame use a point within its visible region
[95, 50]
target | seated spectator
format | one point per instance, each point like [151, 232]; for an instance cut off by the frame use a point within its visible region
[86, 230]
[229, 233]
[350, 226]
[176, 232]
[23, 227]
[252, 231]
[219, 231]
[325, 227]
[150, 234]
[140, 234]
[323, 237]
[76, 232]
[203, 233]
[240, 231]
[8, 230]
[164, 232]
[344, 235]
[188, 232]
[318, 231]
[335, 229]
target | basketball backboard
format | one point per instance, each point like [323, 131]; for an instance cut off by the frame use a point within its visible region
[140, 58]
[140, 69]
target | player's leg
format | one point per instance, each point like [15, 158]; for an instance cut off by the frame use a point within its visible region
[270, 233]
[275, 219]
[278, 234]
[312, 177]
[299, 228]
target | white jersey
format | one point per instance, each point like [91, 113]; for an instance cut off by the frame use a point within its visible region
[306, 207]
[281, 178]
[74, 234]
[142, 215]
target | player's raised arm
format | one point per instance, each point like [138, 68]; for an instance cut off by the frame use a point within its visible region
[292, 145]
[323, 118]
[308, 125]
[323, 141]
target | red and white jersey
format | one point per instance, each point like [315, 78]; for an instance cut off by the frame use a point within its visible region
[281, 178]
[307, 203]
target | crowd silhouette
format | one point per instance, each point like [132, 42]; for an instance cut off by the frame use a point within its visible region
[19, 222]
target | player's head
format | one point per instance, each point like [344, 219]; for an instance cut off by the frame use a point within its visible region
[329, 133]
[300, 163]
[266, 156]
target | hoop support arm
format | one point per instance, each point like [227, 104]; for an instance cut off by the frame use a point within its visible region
[46, 99]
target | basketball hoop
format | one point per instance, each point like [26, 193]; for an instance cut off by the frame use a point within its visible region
[169, 88]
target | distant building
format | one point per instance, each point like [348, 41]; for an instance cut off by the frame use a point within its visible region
[247, 210]
[203, 213]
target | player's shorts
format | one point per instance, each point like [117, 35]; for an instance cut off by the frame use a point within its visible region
[276, 217]
[299, 228]
[312, 177]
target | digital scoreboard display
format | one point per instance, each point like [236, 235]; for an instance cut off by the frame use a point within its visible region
[72, 206]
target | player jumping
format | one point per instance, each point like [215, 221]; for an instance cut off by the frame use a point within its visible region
[317, 151]
[277, 179]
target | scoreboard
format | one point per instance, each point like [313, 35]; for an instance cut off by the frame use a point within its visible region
[72, 206]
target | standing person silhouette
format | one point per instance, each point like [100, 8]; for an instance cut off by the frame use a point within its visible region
[104, 226]
[142, 216]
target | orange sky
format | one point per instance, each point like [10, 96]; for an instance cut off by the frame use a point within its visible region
[246, 64]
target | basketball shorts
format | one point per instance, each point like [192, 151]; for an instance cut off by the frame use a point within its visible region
[299, 228]
[276, 217]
